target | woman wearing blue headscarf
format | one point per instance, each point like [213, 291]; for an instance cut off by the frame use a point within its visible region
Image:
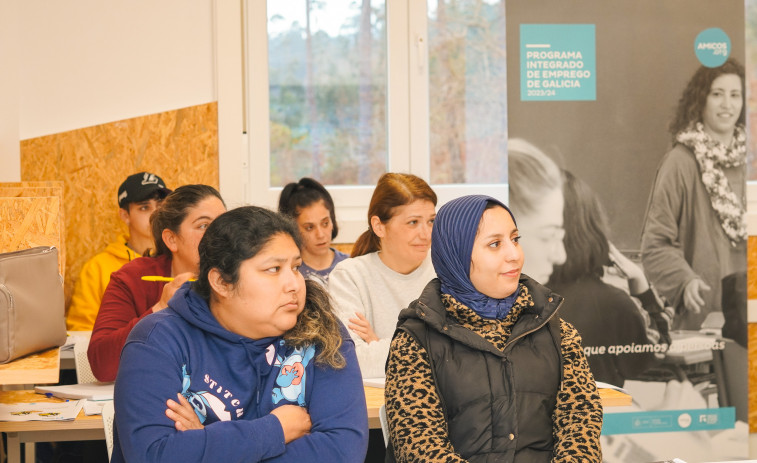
[481, 368]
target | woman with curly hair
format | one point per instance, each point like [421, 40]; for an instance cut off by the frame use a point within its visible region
[695, 229]
[247, 359]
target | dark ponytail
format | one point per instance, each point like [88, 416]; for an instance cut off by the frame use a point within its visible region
[297, 196]
[174, 209]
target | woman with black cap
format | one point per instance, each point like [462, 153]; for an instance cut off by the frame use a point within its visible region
[481, 368]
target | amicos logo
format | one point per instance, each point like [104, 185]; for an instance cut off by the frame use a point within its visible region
[712, 47]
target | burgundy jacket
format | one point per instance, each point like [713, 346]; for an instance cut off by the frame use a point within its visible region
[127, 300]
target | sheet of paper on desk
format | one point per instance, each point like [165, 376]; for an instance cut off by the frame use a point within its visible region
[41, 411]
[601, 385]
[94, 407]
[89, 391]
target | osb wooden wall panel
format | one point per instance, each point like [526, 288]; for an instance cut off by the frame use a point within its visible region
[29, 189]
[181, 146]
[753, 377]
[752, 294]
[30, 222]
[26, 233]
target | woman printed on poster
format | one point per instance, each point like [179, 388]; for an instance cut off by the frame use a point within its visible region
[605, 315]
[694, 233]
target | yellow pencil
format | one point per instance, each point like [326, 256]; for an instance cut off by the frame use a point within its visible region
[160, 278]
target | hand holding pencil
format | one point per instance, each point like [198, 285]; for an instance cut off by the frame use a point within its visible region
[170, 288]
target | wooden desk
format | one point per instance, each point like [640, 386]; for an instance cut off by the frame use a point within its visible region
[613, 398]
[374, 399]
[41, 368]
[19, 432]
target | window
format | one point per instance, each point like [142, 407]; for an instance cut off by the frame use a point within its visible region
[327, 91]
[345, 90]
[467, 92]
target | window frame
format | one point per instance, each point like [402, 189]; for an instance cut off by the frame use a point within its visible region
[242, 89]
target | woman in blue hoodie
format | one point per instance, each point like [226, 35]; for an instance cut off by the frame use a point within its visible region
[250, 360]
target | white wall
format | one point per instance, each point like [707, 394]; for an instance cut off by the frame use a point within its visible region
[87, 62]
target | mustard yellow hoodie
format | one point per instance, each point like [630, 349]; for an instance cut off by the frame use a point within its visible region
[93, 279]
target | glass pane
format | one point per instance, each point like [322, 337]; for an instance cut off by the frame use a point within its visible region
[467, 91]
[327, 71]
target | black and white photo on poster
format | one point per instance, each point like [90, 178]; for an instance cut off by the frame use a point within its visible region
[637, 109]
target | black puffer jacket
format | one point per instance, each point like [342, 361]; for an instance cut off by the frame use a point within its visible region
[498, 404]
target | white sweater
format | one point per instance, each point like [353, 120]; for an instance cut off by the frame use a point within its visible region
[364, 284]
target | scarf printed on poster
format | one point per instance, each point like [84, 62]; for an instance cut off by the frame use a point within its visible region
[638, 107]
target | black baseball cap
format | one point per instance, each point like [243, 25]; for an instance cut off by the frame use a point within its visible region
[139, 187]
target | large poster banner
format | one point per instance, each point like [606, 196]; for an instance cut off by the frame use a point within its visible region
[627, 173]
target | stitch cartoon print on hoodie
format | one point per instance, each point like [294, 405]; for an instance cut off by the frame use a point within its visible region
[291, 381]
[292, 375]
[203, 400]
